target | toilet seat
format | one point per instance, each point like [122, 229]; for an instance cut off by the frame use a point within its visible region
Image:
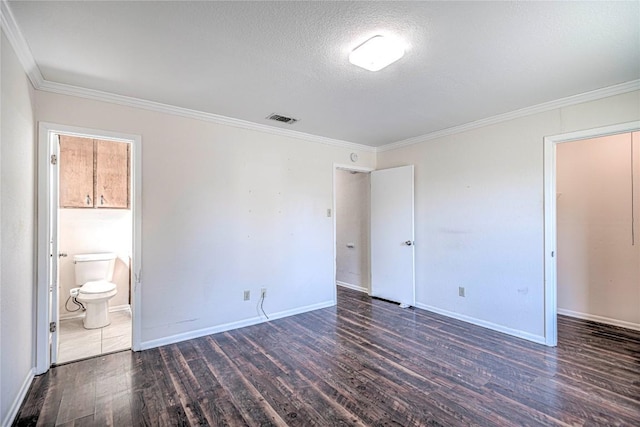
[97, 287]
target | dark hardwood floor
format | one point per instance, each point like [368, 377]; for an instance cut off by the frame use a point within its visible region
[364, 362]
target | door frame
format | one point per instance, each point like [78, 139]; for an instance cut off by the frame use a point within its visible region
[550, 218]
[336, 167]
[47, 186]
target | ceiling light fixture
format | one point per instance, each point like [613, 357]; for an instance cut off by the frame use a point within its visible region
[376, 53]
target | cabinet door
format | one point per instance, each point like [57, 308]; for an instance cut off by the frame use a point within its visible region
[76, 172]
[112, 174]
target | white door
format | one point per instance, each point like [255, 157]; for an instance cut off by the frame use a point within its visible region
[54, 297]
[392, 254]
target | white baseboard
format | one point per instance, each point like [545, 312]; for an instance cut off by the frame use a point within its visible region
[74, 315]
[478, 322]
[17, 402]
[600, 319]
[233, 325]
[124, 307]
[354, 287]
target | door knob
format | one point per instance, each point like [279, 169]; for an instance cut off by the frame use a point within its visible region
[408, 243]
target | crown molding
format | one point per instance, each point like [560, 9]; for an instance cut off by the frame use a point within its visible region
[19, 44]
[64, 89]
[540, 108]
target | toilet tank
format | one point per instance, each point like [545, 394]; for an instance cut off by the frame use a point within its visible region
[92, 267]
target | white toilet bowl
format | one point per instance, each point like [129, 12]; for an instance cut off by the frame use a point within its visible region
[95, 297]
[93, 274]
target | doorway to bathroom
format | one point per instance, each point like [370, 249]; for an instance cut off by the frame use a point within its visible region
[88, 243]
[95, 236]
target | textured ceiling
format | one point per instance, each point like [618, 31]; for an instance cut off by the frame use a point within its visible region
[245, 60]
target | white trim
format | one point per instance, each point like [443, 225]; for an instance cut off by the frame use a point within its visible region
[593, 95]
[43, 356]
[128, 101]
[145, 345]
[136, 259]
[483, 323]
[358, 288]
[550, 220]
[17, 402]
[123, 307]
[30, 66]
[19, 44]
[550, 244]
[78, 315]
[80, 92]
[345, 167]
[600, 319]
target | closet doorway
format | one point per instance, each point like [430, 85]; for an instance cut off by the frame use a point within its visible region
[592, 252]
[598, 251]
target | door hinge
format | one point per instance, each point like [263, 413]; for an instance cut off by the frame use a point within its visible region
[52, 327]
[54, 159]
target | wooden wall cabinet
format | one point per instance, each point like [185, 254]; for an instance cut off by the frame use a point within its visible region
[94, 173]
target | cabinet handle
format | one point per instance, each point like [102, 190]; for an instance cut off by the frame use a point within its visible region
[88, 200]
[101, 199]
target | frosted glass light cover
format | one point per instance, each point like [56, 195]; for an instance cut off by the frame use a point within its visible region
[376, 53]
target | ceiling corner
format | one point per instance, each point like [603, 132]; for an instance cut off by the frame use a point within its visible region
[19, 44]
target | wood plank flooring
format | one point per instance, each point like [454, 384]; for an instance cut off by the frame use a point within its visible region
[364, 362]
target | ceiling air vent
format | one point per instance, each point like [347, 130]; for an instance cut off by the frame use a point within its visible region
[282, 119]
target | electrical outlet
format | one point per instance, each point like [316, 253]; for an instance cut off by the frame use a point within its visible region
[263, 293]
[247, 295]
[461, 291]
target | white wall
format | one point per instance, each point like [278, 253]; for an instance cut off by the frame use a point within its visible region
[83, 231]
[224, 209]
[598, 264]
[353, 206]
[17, 234]
[479, 214]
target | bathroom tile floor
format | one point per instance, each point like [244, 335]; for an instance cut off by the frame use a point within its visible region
[76, 342]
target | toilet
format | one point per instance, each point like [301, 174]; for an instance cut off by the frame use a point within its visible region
[94, 273]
